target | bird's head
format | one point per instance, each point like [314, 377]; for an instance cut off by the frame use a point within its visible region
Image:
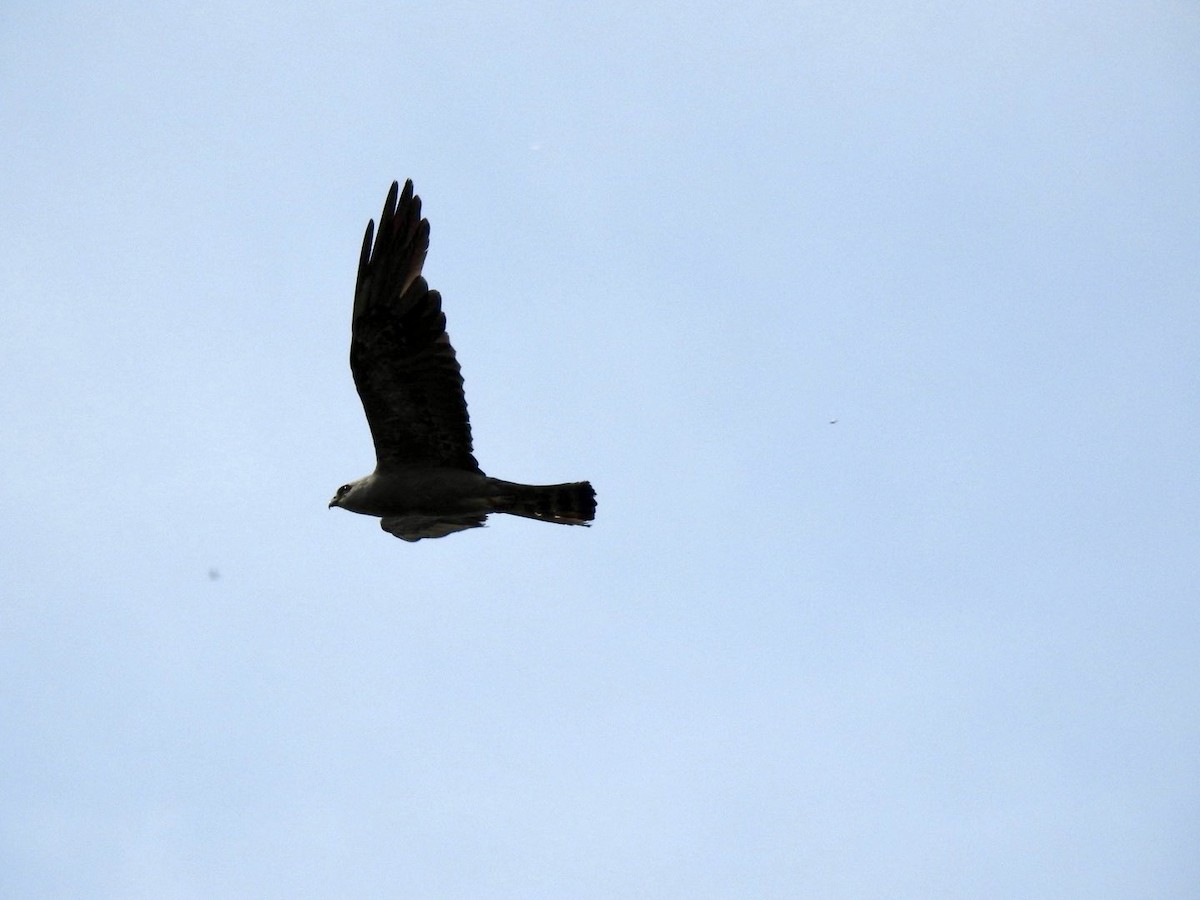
[357, 496]
[341, 495]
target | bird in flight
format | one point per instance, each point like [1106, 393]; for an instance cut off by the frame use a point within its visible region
[426, 482]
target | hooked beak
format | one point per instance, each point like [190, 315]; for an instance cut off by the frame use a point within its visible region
[333, 503]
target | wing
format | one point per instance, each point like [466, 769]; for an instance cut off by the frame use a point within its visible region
[413, 528]
[404, 367]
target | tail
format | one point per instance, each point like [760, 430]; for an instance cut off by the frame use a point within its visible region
[566, 504]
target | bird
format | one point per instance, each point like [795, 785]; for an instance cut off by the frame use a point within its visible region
[426, 483]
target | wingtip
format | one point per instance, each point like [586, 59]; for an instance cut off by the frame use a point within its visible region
[368, 236]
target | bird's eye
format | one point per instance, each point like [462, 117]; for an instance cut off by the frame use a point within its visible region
[343, 489]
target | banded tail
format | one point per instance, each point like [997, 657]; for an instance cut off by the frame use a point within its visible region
[565, 504]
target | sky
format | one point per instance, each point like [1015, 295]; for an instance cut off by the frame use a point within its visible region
[873, 324]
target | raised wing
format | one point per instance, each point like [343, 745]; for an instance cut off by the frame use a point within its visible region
[404, 367]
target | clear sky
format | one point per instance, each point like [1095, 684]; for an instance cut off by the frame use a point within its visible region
[874, 324]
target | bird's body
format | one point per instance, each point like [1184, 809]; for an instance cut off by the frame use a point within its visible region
[426, 481]
[412, 492]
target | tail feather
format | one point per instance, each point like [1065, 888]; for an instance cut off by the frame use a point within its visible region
[566, 504]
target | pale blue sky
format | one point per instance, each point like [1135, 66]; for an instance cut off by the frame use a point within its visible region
[945, 647]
